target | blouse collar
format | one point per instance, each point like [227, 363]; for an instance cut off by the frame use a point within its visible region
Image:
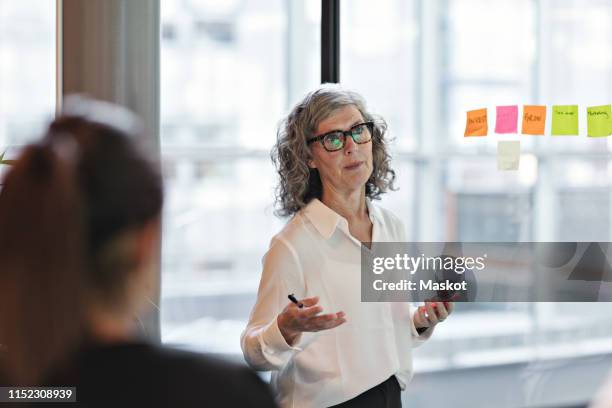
[326, 220]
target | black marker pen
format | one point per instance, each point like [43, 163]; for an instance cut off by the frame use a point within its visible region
[294, 300]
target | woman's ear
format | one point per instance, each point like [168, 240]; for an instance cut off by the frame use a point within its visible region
[312, 164]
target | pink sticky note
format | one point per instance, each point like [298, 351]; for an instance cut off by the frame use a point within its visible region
[507, 118]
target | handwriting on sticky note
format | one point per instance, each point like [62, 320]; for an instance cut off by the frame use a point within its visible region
[534, 120]
[565, 120]
[507, 117]
[599, 123]
[476, 124]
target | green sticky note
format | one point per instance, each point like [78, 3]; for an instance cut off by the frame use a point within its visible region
[565, 120]
[599, 121]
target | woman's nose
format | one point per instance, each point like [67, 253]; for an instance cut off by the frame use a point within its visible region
[349, 145]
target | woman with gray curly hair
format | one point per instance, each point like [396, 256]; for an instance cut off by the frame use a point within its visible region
[332, 160]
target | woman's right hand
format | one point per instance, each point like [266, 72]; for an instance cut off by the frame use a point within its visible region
[292, 321]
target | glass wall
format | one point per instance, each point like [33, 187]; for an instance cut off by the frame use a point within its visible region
[27, 71]
[228, 74]
[423, 65]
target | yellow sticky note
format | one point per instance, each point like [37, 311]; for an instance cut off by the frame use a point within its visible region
[565, 120]
[534, 120]
[599, 121]
[508, 154]
[476, 124]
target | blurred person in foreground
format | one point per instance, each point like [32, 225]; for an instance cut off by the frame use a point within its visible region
[79, 221]
[332, 159]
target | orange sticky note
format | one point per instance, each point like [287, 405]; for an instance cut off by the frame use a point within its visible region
[534, 119]
[476, 124]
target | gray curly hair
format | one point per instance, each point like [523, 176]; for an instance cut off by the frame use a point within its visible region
[298, 183]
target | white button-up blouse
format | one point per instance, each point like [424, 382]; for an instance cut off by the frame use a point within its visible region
[315, 255]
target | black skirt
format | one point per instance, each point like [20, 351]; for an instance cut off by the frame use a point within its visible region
[385, 395]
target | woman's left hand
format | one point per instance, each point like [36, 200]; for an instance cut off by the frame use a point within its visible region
[432, 313]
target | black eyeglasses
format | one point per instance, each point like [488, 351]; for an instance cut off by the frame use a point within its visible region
[335, 140]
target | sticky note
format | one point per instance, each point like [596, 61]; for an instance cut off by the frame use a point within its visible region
[599, 121]
[507, 117]
[565, 120]
[476, 124]
[508, 154]
[534, 120]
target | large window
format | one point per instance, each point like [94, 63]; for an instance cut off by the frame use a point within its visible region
[228, 74]
[27, 71]
[423, 65]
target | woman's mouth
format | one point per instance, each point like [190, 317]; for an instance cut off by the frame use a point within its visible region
[353, 166]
